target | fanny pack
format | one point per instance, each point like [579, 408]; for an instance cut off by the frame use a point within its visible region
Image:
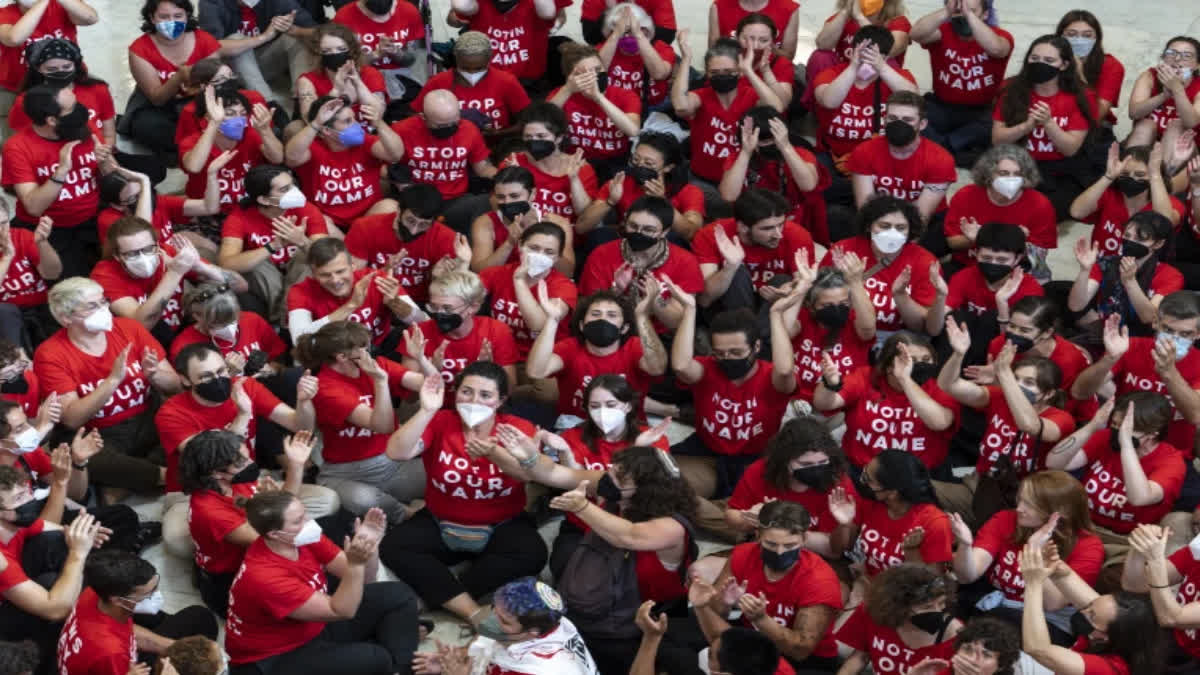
[462, 538]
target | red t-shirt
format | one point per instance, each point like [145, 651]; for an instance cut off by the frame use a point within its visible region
[499, 96]
[373, 239]
[460, 352]
[903, 178]
[598, 456]
[879, 285]
[1165, 280]
[23, 285]
[628, 72]
[255, 230]
[337, 397]
[232, 179]
[736, 419]
[716, 131]
[189, 123]
[63, 368]
[879, 418]
[167, 215]
[1135, 371]
[845, 44]
[969, 291]
[211, 517]
[601, 267]
[887, 650]
[730, 12]
[55, 23]
[996, 537]
[881, 537]
[841, 130]
[1032, 210]
[95, 97]
[662, 12]
[402, 27]
[1070, 357]
[552, 194]
[1188, 566]
[253, 334]
[763, 263]
[688, 198]
[144, 47]
[808, 207]
[589, 127]
[118, 283]
[94, 643]
[754, 488]
[257, 626]
[1066, 113]
[444, 163]
[342, 184]
[1103, 480]
[464, 489]
[964, 73]
[518, 36]
[847, 350]
[1163, 114]
[1111, 216]
[580, 366]
[29, 158]
[1112, 75]
[1002, 438]
[373, 313]
[502, 299]
[810, 582]
[182, 417]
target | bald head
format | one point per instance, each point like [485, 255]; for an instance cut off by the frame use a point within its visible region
[440, 108]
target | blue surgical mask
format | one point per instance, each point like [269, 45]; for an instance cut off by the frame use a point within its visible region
[1081, 46]
[233, 128]
[170, 29]
[352, 136]
[1182, 344]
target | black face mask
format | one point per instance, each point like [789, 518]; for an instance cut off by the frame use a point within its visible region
[27, 513]
[638, 241]
[1022, 343]
[602, 81]
[960, 26]
[378, 7]
[833, 316]
[899, 133]
[819, 477]
[1041, 73]
[59, 78]
[994, 272]
[540, 148]
[446, 321]
[770, 152]
[335, 60]
[406, 235]
[442, 133]
[865, 490]
[216, 390]
[736, 369]
[608, 490]
[779, 562]
[17, 386]
[923, 371]
[640, 174]
[1133, 249]
[1130, 186]
[511, 210]
[723, 84]
[246, 475]
[929, 622]
[503, 6]
[1081, 627]
[600, 332]
[73, 125]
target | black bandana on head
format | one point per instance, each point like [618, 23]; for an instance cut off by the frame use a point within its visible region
[55, 48]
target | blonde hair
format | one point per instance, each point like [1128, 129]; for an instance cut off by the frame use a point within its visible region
[460, 284]
[66, 295]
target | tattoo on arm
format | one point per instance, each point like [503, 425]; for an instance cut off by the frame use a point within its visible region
[1068, 444]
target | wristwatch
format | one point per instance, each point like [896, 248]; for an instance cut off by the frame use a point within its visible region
[270, 249]
[832, 387]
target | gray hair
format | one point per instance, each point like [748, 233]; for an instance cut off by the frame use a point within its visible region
[828, 278]
[640, 18]
[215, 304]
[726, 47]
[473, 43]
[67, 295]
[981, 173]
[460, 284]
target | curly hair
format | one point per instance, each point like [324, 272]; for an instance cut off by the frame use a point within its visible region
[18, 657]
[343, 33]
[893, 594]
[798, 436]
[1018, 89]
[208, 451]
[194, 655]
[659, 493]
[579, 316]
[985, 166]
[878, 207]
[996, 636]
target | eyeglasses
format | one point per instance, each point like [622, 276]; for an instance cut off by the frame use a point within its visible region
[210, 293]
[648, 230]
[91, 307]
[135, 254]
[1182, 56]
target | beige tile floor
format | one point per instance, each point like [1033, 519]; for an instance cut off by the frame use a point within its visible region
[1133, 32]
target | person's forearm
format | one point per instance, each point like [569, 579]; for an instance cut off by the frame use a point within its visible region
[833, 94]
[231, 47]
[1186, 109]
[580, 199]
[951, 371]
[50, 265]
[151, 310]
[1075, 589]
[1002, 133]
[1064, 451]
[1023, 414]
[1145, 310]
[682, 347]
[271, 148]
[591, 216]
[1081, 292]
[717, 284]
[65, 591]
[41, 198]
[912, 314]
[19, 31]
[538, 360]
[622, 121]
[734, 179]
[77, 487]
[842, 537]
[681, 99]
[193, 161]
[1089, 200]
[766, 95]
[964, 564]
[931, 413]
[864, 312]
[668, 314]
[711, 618]
[1035, 634]
[647, 653]
[81, 14]
[383, 415]
[393, 145]
[804, 174]
[935, 316]
[297, 152]
[654, 359]
[293, 476]
[5, 263]
[783, 357]
[531, 310]
[929, 27]
[789, 643]
[656, 66]
[894, 80]
[244, 261]
[1162, 596]
[1138, 488]
[1088, 382]
[1160, 198]
[831, 31]
[80, 411]
[405, 442]
[1133, 573]
[348, 596]
[1067, 142]
[1140, 109]
[995, 46]
[1186, 399]
[52, 510]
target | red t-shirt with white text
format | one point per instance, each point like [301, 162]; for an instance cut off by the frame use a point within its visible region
[1002, 438]
[589, 127]
[580, 366]
[373, 239]
[460, 352]
[465, 489]
[443, 163]
[94, 643]
[964, 73]
[754, 488]
[1103, 480]
[1066, 113]
[841, 130]
[879, 418]
[499, 96]
[29, 158]
[23, 285]
[372, 313]
[502, 300]
[342, 184]
[1032, 210]
[879, 285]
[884, 646]
[403, 26]
[808, 583]
[881, 537]
[255, 230]
[736, 419]
[996, 537]
[903, 178]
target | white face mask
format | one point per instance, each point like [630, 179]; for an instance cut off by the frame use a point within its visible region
[27, 441]
[474, 414]
[1194, 547]
[1008, 186]
[227, 333]
[143, 266]
[608, 419]
[100, 319]
[293, 199]
[26, 4]
[473, 78]
[1186, 74]
[889, 241]
[250, 3]
[538, 263]
[309, 534]
[151, 604]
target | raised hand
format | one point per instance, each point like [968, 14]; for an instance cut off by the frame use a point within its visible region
[960, 529]
[805, 273]
[572, 501]
[914, 538]
[732, 591]
[575, 163]
[842, 506]
[50, 411]
[1104, 412]
[970, 227]
[616, 188]
[1045, 533]
[42, 232]
[902, 365]
[149, 360]
[373, 525]
[851, 265]
[830, 374]
[60, 463]
[117, 372]
[240, 398]
[686, 299]
[371, 367]
[685, 48]
[1125, 431]
[1150, 541]
[650, 436]
[361, 548]
[516, 442]
[1004, 359]
[1163, 353]
[485, 350]
[212, 107]
[650, 625]
[286, 230]
[186, 256]
[66, 157]
[235, 362]
[901, 282]
[749, 135]
[414, 342]
[85, 445]
[81, 533]
[936, 280]
[1009, 286]
[1033, 567]
[326, 112]
[730, 249]
[958, 336]
[359, 294]
[432, 392]
[298, 447]
[753, 607]
[1087, 253]
[649, 290]
[307, 387]
[700, 592]
[1116, 337]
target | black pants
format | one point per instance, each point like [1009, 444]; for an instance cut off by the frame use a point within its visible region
[934, 237]
[78, 247]
[414, 551]
[569, 536]
[12, 326]
[39, 324]
[958, 128]
[154, 127]
[132, 457]
[268, 439]
[380, 639]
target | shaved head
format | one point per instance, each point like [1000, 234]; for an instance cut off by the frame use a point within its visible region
[440, 108]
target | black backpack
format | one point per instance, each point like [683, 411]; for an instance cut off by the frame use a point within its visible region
[600, 586]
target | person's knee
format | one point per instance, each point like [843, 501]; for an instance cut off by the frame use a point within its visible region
[319, 501]
[177, 539]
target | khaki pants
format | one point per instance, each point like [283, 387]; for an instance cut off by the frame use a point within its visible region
[270, 285]
[701, 474]
[285, 56]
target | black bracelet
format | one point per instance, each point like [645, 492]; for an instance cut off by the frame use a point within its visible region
[60, 182]
[81, 467]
